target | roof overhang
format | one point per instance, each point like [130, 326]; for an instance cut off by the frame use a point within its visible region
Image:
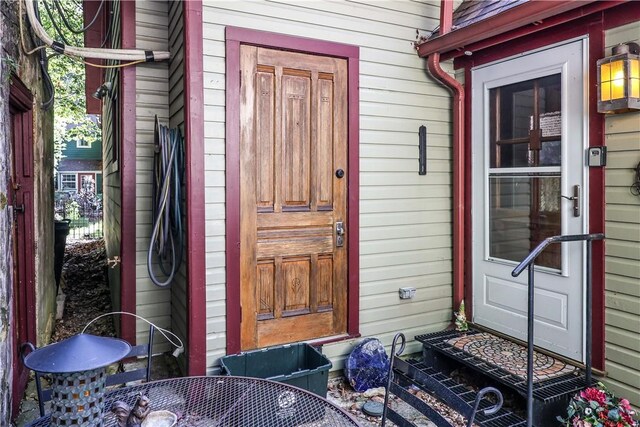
[531, 14]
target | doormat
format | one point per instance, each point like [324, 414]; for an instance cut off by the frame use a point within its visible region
[510, 356]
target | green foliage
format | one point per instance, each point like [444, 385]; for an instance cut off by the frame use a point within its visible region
[68, 77]
[73, 210]
[9, 65]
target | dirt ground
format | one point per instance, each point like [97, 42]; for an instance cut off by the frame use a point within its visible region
[86, 291]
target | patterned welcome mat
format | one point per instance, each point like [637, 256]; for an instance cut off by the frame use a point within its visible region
[510, 356]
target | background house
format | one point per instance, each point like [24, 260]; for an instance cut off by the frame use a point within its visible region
[81, 163]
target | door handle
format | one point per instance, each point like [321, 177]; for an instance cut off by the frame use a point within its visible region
[18, 208]
[575, 199]
[340, 231]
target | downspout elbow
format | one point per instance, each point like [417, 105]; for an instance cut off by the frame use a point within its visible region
[458, 171]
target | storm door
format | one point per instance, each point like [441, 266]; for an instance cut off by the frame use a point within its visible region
[528, 181]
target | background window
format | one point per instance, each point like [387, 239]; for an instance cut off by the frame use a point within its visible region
[68, 182]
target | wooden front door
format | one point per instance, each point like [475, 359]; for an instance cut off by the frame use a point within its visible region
[21, 199]
[293, 209]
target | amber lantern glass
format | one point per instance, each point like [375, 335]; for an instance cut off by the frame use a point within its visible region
[619, 80]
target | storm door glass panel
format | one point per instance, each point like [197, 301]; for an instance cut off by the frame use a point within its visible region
[525, 174]
[526, 124]
[523, 210]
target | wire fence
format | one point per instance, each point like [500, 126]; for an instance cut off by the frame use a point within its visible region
[84, 210]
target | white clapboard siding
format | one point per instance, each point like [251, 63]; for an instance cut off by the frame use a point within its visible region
[622, 267]
[405, 219]
[152, 302]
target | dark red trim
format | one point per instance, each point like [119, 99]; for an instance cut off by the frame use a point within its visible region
[20, 97]
[521, 15]
[622, 15]
[596, 200]
[127, 159]
[232, 197]
[468, 228]
[194, 174]
[93, 38]
[353, 203]
[592, 26]
[292, 43]
[534, 27]
[234, 38]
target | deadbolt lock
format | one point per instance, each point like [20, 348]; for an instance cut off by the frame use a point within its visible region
[340, 230]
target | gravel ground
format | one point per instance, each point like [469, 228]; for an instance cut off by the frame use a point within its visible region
[340, 393]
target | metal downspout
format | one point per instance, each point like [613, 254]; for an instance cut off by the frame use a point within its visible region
[458, 169]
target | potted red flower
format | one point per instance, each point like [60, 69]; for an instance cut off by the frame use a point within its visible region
[598, 407]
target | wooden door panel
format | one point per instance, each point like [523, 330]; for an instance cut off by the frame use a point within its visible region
[293, 138]
[265, 139]
[296, 142]
[323, 153]
[292, 329]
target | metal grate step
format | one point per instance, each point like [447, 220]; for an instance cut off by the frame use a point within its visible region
[545, 391]
[456, 396]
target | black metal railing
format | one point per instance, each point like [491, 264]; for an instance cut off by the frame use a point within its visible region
[405, 371]
[83, 210]
[528, 262]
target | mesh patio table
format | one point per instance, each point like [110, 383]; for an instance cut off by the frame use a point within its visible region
[229, 401]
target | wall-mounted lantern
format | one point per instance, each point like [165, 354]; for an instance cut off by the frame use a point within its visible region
[619, 80]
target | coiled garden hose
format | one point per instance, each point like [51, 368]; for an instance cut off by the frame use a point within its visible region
[167, 238]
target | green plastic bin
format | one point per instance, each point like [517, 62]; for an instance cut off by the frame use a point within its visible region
[297, 364]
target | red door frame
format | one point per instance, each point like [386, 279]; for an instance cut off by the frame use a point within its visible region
[234, 38]
[593, 26]
[194, 177]
[127, 167]
[21, 193]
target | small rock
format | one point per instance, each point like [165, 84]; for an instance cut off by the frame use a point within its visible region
[378, 391]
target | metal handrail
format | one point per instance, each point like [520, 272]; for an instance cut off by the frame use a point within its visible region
[528, 263]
